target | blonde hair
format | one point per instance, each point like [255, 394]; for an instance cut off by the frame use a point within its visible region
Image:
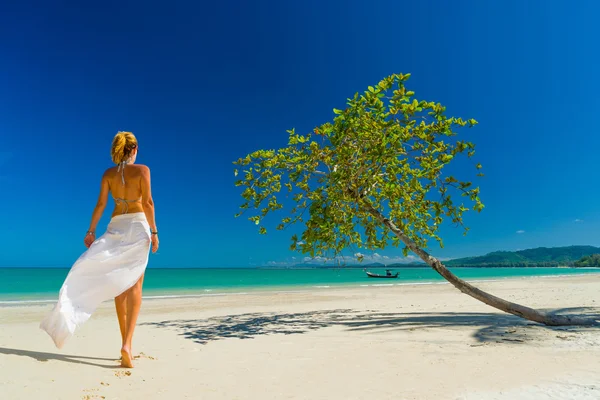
[122, 146]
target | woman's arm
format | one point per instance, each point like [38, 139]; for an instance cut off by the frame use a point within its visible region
[147, 201]
[98, 210]
[148, 205]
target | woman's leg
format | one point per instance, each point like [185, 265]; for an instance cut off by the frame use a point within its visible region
[133, 302]
[121, 306]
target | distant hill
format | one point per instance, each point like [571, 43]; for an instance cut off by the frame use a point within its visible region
[373, 265]
[538, 257]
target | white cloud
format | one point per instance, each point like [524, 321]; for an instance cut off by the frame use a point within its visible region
[578, 220]
[278, 263]
[366, 259]
[317, 259]
[348, 260]
[376, 257]
[520, 231]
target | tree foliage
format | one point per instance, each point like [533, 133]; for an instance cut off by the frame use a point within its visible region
[385, 151]
[592, 260]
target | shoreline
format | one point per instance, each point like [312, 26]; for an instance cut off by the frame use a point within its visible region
[268, 345]
[160, 294]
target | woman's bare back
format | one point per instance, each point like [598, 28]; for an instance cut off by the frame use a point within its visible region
[125, 185]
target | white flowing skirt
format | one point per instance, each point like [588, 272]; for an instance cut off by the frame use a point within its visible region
[111, 265]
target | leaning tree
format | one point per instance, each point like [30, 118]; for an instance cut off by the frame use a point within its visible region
[373, 177]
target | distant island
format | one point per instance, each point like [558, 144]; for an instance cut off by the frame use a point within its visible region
[541, 257]
[588, 261]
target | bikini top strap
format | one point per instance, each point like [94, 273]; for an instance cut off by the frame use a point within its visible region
[122, 168]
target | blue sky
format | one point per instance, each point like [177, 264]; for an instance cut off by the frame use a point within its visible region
[203, 83]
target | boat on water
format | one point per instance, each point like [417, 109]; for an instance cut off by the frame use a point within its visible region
[388, 274]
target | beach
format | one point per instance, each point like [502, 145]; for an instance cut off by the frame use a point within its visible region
[421, 341]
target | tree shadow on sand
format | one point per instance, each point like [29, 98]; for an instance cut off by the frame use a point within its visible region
[42, 357]
[490, 327]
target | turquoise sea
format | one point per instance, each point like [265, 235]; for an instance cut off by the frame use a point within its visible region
[39, 284]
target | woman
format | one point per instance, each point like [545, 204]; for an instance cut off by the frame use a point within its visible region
[114, 264]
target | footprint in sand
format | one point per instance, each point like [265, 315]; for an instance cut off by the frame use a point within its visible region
[92, 397]
[120, 374]
[142, 355]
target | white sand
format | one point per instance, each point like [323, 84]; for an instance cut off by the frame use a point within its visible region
[405, 342]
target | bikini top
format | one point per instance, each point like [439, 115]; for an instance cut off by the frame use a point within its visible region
[119, 200]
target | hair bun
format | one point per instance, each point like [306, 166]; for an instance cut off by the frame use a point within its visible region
[122, 145]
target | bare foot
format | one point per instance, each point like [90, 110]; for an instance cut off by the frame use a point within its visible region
[126, 358]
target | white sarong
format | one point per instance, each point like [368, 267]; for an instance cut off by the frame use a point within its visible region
[111, 265]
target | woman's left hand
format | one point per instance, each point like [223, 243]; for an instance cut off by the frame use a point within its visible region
[89, 239]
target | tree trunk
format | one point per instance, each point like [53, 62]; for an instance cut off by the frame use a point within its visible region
[491, 300]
